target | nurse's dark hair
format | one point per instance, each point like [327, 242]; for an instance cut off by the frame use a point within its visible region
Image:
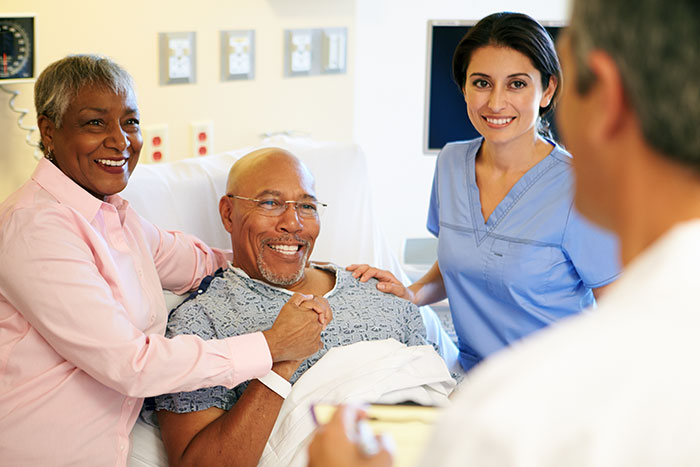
[515, 31]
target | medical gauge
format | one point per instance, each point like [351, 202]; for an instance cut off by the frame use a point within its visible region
[17, 56]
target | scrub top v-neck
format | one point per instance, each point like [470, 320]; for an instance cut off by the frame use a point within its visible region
[533, 262]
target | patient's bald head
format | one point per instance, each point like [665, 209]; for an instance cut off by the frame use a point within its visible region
[271, 237]
[255, 164]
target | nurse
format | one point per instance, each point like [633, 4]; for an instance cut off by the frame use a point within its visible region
[513, 254]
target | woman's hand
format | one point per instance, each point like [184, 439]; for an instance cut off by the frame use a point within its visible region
[331, 446]
[388, 283]
[320, 306]
[296, 332]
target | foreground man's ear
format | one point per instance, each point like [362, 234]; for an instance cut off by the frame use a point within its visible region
[609, 105]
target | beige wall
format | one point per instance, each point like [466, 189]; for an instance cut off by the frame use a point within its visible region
[128, 32]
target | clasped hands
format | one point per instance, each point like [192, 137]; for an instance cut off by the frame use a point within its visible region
[296, 332]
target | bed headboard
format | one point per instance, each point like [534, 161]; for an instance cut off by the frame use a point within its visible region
[184, 195]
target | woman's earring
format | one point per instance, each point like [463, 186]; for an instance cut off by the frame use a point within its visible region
[49, 155]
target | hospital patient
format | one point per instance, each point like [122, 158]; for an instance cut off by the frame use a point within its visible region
[272, 214]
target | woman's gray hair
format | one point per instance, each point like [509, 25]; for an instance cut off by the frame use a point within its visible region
[654, 44]
[61, 81]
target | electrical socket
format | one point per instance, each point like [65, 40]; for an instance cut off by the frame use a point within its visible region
[202, 138]
[155, 143]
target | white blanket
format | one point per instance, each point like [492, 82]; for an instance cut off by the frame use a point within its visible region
[376, 371]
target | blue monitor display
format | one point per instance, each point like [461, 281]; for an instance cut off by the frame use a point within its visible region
[445, 111]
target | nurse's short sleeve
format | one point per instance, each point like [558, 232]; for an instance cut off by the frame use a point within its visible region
[592, 250]
[433, 223]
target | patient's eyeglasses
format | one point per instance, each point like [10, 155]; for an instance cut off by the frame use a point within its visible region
[273, 207]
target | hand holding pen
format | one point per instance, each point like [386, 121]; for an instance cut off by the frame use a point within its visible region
[347, 441]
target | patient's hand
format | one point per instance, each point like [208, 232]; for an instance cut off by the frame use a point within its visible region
[388, 283]
[296, 333]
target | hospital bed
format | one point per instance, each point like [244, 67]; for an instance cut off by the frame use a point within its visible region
[184, 195]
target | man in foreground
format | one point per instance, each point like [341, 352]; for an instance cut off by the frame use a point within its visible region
[272, 214]
[616, 386]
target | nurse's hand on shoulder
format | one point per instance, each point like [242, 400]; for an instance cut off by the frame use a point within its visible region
[296, 332]
[331, 446]
[388, 283]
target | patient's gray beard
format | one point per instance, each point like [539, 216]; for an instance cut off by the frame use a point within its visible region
[276, 279]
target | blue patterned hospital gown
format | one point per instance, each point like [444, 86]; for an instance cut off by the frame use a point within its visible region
[231, 304]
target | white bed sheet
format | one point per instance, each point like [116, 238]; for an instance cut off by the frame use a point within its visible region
[378, 371]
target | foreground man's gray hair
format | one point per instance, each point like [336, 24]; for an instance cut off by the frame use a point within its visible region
[655, 45]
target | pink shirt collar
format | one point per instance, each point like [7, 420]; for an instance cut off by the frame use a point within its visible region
[66, 191]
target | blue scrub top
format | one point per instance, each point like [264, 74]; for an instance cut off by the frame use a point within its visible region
[534, 262]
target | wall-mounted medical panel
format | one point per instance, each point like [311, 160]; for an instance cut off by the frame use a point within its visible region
[178, 59]
[237, 55]
[302, 52]
[334, 50]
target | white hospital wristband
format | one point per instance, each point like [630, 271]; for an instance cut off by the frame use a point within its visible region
[276, 383]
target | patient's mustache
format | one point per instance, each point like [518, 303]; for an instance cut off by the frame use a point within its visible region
[285, 239]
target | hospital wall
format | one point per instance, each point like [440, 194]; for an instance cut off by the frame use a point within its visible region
[378, 103]
[319, 105]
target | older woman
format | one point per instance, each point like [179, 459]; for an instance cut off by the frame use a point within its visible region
[82, 315]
